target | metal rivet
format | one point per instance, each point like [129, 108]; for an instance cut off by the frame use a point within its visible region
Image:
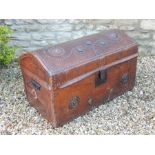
[74, 102]
[88, 42]
[113, 35]
[90, 101]
[102, 42]
[80, 50]
[125, 78]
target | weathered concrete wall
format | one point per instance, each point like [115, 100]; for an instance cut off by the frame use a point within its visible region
[34, 34]
[1, 21]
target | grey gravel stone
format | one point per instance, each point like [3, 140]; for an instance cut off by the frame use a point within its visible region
[1, 101]
[130, 113]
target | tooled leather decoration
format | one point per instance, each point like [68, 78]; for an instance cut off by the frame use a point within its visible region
[95, 46]
[60, 53]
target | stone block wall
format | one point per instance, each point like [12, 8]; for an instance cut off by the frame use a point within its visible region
[31, 34]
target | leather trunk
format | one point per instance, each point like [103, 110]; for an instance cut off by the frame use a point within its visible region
[66, 80]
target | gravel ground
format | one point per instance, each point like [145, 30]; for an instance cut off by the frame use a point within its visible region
[131, 113]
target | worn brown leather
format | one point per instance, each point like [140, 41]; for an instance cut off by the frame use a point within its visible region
[66, 80]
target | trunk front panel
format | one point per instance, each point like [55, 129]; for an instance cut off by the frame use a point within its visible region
[78, 98]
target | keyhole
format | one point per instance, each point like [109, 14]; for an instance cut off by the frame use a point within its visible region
[101, 77]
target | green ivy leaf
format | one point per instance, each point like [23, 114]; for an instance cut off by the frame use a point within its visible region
[6, 52]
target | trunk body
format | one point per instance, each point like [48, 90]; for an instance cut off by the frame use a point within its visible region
[64, 81]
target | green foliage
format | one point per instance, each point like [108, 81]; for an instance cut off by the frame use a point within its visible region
[6, 52]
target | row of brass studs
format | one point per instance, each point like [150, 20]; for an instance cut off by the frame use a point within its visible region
[101, 42]
[76, 99]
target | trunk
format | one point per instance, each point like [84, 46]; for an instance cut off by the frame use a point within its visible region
[66, 80]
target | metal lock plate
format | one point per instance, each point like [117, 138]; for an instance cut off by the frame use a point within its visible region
[101, 77]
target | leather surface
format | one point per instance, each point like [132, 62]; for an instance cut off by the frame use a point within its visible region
[66, 74]
[65, 56]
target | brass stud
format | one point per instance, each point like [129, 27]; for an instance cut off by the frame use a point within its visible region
[90, 100]
[74, 102]
[125, 78]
